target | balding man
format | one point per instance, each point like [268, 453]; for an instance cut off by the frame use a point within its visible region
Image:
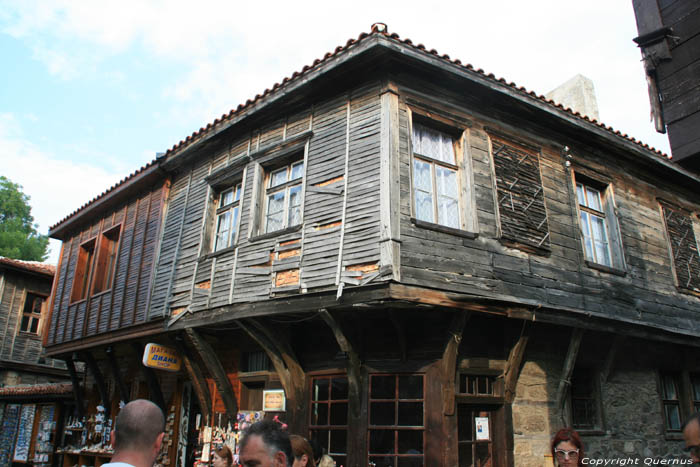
[137, 435]
[691, 434]
[265, 444]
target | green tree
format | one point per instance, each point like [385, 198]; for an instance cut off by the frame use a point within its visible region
[18, 236]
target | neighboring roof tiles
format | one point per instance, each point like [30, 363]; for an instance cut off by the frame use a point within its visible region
[395, 37]
[48, 389]
[33, 266]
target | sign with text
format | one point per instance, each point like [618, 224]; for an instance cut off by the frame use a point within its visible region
[161, 357]
[274, 400]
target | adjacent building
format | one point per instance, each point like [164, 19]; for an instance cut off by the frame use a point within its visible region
[431, 266]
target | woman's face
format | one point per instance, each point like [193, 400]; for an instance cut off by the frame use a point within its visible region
[566, 454]
[218, 461]
[300, 461]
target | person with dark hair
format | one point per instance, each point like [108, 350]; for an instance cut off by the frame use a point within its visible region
[567, 448]
[265, 444]
[691, 434]
[222, 457]
[138, 435]
[303, 453]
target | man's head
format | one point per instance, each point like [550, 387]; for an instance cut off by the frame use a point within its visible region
[138, 430]
[691, 434]
[265, 444]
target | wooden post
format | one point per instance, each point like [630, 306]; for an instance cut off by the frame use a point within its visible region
[77, 390]
[567, 371]
[199, 384]
[154, 391]
[116, 374]
[216, 370]
[448, 363]
[511, 373]
[99, 380]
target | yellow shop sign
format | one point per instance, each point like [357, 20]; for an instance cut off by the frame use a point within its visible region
[161, 357]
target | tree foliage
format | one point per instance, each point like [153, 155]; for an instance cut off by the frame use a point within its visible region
[19, 238]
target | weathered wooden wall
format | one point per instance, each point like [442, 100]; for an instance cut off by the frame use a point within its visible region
[338, 242]
[19, 346]
[126, 302]
[559, 278]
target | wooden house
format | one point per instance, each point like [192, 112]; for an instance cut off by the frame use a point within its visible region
[669, 39]
[34, 390]
[436, 266]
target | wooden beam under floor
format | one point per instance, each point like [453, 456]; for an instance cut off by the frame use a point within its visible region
[94, 369]
[116, 375]
[511, 373]
[199, 383]
[567, 371]
[77, 389]
[448, 364]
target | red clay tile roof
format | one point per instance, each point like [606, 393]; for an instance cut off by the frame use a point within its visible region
[377, 29]
[37, 389]
[33, 266]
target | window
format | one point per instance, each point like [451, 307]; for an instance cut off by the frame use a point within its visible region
[695, 388]
[31, 314]
[396, 420]
[684, 247]
[585, 402]
[670, 399]
[83, 270]
[282, 205]
[329, 415]
[593, 225]
[435, 177]
[476, 385]
[106, 260]
[227, 214]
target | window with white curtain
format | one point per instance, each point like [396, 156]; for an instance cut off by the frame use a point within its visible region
[227, 214]
[593, 225]
[435, 177]
[283, 197]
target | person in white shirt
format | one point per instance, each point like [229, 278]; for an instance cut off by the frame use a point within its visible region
[138, 435]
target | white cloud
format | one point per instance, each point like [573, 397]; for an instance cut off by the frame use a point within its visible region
[56, 186]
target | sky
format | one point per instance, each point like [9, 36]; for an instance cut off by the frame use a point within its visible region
[90, 91]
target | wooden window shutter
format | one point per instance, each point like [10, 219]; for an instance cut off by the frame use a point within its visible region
[520, 197]
[684, 247]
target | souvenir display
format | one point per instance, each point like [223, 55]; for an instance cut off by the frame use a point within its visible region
[8, 431]
[43, 444]
[24, 433]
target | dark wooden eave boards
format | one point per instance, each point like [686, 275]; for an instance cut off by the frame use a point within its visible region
[390, 58]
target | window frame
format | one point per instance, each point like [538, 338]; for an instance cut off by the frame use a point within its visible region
[84, 269]
[32, 315]
[467, 224]
[286, 187]
[329, 427]
[694, 229]
[235, 206]
[675, 378]
[105, 273]
[591, 375]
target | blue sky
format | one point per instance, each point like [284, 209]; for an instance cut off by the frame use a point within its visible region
[90, 91]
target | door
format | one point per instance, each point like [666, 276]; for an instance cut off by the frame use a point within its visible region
[478, 431]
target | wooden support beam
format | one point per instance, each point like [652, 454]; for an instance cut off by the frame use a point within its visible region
[99, 380]
[288, 368]
[567, 371]
[116, 374]
[609, 363]
[154, 392]
[199, 383]
[511, 373]
[448, 364]
[400, 333]
[77, 390]
[216, 370]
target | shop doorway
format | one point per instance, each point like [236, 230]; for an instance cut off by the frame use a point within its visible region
[480, 435]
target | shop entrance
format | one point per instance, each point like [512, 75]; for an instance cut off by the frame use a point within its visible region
[479, 435]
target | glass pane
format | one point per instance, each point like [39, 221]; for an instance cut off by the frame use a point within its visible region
[339, 443]
[466, 455]
[297, 171]
[602, 254]
[320, 392]
[598, 224]
[465, 430]
[383, 387]
[294, 206]
[339, 389]
[424, 206]
[432, 143]
[322, 437]
[339, 413]
[669, 388]
[580, 194]
[411, 387]
[226, 198]
[319, 413]
[382, 413]
[416, 461]
[448, 212]
[379, 461]
[278, 177]
[410, 414]
[275, 211]
[483, 454]
[381, 442]
[422, 179]
[25, 323]
[593, 199]
[234, 220]
[237, 192]
[223, 224]
[410, 442]
[696, 387]
[35, 326]
[673, 417]
[446, 181]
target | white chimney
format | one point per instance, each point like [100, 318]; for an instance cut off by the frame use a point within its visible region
[579, 94]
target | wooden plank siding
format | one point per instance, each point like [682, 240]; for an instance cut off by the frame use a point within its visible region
[644, 292]
[123, 303]
[341, 170]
